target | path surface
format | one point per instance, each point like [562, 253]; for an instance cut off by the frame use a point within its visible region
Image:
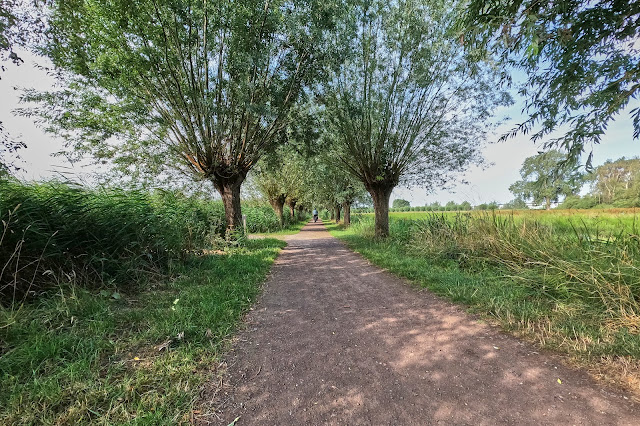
[334, 340]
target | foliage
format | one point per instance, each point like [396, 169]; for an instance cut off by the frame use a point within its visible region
[54, 231]
[487, 206]
[546, 177]
[406, 104]
[582, 60]
[399, 202]
[331, 185]
[86, 356]
[618, 182]
[578, 202]
[203, 86]
[21, 24]
[516, 204]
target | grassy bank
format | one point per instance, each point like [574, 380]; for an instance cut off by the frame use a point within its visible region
[568, 286]
[115, 306]
[53, 232]
[84, 357]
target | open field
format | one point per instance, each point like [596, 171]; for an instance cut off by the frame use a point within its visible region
[568, 281]
[597, 221]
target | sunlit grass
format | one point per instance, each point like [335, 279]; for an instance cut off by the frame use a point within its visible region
[115, 306]
[84, 357]
[567, 286]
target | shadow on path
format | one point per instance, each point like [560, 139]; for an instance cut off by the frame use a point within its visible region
[334, 340]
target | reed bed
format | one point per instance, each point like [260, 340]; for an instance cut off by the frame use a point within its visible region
[54, 232]
[568, 270]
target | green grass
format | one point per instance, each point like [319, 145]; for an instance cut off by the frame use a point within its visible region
[290, 229]
[91, 357]
[53, 231]
[609, 221]
[115, 306]
[545, 280]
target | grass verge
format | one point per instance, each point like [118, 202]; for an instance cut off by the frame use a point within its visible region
[290, 229]
[524, 303]
[103, 357]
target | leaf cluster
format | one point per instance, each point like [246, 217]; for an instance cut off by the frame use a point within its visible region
[582, 60]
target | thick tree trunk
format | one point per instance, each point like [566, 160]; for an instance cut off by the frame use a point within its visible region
[292, 209]
[346, 214]
[337, 209]
[381, 194]
[278, 207]
[229, 189]
[547, 203]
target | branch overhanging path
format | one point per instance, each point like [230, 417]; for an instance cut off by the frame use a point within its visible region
[335, 340]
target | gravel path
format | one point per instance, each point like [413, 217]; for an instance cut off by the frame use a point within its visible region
[335, 340]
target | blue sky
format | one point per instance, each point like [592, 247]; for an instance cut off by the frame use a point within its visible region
[490, 184]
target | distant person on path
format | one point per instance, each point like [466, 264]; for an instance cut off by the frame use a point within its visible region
[315, 215]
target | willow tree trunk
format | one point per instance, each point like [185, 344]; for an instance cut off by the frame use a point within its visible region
[547, 203]
[346, 214]
[381, 195]
[292, 210]
[278, 207]
[229, 189]
[337, 209]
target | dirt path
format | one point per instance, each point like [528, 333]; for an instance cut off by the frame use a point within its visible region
[334, 340]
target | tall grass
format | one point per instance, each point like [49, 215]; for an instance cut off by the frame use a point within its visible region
[54, 231]
[568, 260]
[567, 282]
[112, 310]
[562, 259]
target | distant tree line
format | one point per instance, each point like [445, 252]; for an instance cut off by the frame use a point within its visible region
[548, 178]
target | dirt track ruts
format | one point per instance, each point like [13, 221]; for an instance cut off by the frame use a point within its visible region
[335, 340]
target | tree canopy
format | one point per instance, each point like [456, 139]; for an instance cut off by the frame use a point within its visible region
[582, 59]
[546, 178]
[399, 202]
[202, 86]
[407, 104]
[617, 182]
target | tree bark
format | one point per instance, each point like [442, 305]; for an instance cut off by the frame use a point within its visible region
[333, 214]
[337, 209]
[229, 189]
[278, 207]
[547, 203]
[346, 213]
[381, 193]
[292, 210]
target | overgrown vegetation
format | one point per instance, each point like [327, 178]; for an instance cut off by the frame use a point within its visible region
[116, 305]
[97, 357]
[57, 232]
[570, 283]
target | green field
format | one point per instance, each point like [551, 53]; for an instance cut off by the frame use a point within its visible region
[598, 222]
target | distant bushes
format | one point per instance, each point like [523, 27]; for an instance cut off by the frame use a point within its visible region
[53, 231]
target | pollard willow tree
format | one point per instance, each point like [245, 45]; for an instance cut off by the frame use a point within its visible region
[408, 104]
[205, 86]
[283, 177]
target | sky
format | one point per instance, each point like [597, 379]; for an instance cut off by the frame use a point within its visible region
[485, 185]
